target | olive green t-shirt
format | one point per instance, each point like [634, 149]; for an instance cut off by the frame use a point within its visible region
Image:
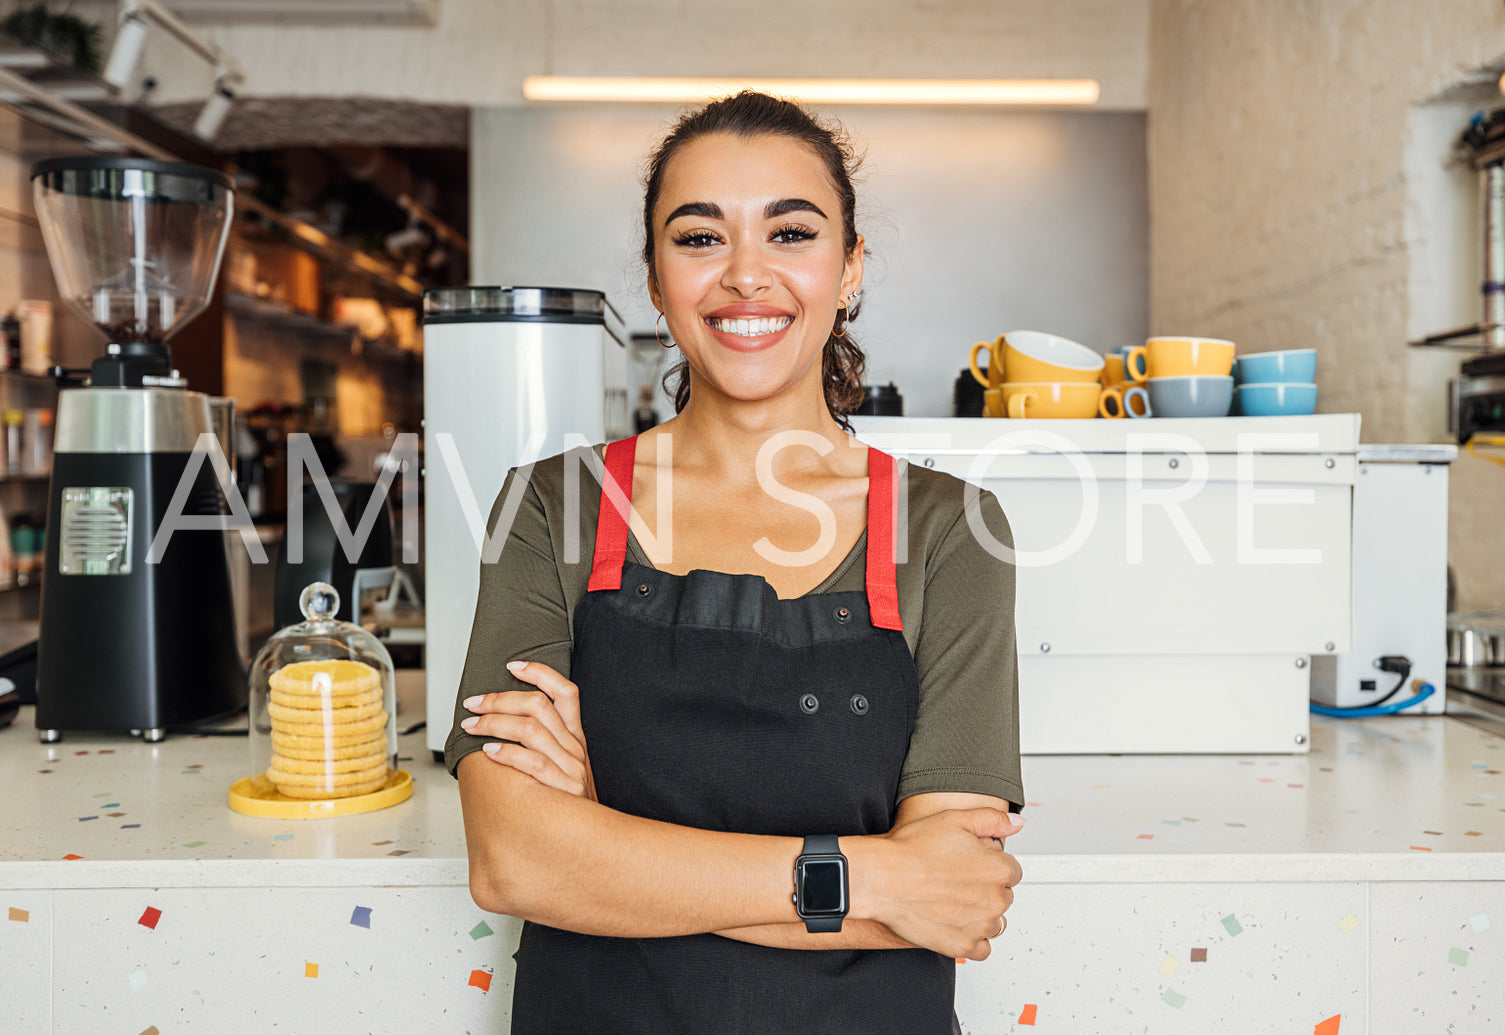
[956, 602]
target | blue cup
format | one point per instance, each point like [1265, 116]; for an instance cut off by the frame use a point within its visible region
[1291, 366]
[1277, 400]
[1202, 395]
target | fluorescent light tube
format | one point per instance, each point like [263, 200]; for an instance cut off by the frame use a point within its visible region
[820, 91]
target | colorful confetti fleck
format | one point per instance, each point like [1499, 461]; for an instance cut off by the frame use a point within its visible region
[151, 1031]
[282, 837]
[111, 805]
[150, 917]
[378, 844]
[1231, 925]
[85, 819]
[1479, 922]
[115, 815]
[20, 916]
[399, 851]
[481, 979]
[361, 917]
[1348, 923]
[137, 979]
[130, 826]
[310, 970]
[481, 930]
[1329, 1026]
[1145, 837]
[195, 844]
[70, 857]
[1199, 955]
[1027, 1015]
[1168, 968]
[1174, 998]
[1419, 848]
[1458, 957]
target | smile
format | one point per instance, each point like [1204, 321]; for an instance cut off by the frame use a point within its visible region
[751, 328]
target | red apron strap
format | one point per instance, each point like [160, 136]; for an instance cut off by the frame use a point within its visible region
[611, 523]
[882, 573]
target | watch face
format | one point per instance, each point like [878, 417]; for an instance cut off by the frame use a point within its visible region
[822, 888]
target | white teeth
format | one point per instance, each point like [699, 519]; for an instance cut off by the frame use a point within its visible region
[752, 328]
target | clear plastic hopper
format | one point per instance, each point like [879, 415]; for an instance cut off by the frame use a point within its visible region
[135, 244]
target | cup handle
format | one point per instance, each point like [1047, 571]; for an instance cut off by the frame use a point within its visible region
[1017, 404]
[1141, 394]
[1137, 364]
[1117, 396]
[981, 378]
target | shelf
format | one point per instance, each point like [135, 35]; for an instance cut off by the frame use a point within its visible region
[281, 315]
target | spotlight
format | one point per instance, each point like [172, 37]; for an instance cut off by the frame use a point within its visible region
[125, 55]
[216, 109]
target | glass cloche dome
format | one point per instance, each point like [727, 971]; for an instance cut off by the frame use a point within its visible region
[323, 705]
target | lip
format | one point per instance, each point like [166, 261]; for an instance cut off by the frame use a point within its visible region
[747, 311]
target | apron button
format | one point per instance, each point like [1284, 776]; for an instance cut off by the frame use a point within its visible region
[859, 704]
[843, 614]
[809, 704]
[644, 589]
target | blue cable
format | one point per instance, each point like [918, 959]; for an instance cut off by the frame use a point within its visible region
[1427, 690]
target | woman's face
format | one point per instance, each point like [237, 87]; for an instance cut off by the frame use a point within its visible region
[748, 263]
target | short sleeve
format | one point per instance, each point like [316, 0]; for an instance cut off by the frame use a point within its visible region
[521, 612]
[966, 736]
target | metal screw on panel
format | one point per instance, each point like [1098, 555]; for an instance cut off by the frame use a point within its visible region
[1301, 738]
[112, 350]
[930, 461]
[1175, 462]
[1329, 463]
[1426, 468]
[1301, 663]
[1044, 648]
[1328, 646]
[810, 704]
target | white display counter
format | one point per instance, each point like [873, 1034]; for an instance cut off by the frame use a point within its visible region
[1174, 576]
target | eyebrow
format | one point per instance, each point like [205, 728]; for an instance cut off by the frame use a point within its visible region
[774, 209]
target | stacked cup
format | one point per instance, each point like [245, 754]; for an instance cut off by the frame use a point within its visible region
[1277, 384]
[1034, 374]
[1186, 377]
[1127, 377]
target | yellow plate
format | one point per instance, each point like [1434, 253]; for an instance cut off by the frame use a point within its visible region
[258, 796]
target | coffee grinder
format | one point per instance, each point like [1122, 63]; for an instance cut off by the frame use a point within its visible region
[128, 641]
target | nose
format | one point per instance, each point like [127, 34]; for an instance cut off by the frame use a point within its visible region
[747, 271]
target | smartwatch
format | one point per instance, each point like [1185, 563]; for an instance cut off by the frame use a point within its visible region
[820, 884]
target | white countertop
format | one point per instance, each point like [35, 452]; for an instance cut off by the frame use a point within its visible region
[1376, 799]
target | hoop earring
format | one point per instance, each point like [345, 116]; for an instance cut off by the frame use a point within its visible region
[842, 321]
[670, 345]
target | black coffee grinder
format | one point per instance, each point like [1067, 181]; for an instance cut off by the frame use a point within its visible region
[132, 641]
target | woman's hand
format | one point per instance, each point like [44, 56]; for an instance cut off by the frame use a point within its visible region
[945, 883]
[539, 729]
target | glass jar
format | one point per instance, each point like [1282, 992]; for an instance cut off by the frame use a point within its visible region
[323, 706]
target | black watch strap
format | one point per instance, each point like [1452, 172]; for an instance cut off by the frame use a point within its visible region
[822, 844]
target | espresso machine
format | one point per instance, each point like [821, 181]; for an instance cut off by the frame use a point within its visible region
[133, 640]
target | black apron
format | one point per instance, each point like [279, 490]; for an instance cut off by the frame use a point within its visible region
[708, 702]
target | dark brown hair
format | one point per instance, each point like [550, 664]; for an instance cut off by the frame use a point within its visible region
[751, 114]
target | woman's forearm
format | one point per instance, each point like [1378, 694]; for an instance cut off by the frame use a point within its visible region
[854, 934]
[562, 860]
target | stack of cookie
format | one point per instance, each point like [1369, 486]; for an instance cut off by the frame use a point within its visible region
[329, 729]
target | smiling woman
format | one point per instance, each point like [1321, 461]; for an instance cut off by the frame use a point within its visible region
[703, 747]
[774, 143]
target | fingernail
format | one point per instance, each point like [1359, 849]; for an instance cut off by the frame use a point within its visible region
[470, 702]
[1016, 819]
[491, 749]
[513, 666]
[466, 724]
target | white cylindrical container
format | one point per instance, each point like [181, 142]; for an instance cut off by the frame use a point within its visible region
[510, 375]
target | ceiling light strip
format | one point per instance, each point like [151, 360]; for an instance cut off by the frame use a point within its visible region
[666, 89]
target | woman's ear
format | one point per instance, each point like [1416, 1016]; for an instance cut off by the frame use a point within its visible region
[653, 292]
[851, 274]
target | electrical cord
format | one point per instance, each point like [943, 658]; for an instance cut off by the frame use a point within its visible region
[1423, 691]
[1396, 663]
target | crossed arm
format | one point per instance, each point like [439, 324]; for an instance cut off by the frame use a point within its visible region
[542, 848]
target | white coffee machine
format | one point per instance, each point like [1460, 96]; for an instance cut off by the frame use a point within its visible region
[508, 374]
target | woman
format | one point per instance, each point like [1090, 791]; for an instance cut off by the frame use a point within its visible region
[746, 699]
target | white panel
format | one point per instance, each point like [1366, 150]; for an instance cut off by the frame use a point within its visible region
[1162, 704]
[1438, 947]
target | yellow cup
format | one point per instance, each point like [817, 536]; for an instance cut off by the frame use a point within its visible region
[1189, 357]
[1113, 370]
[1057, 399]
[992, 402]
[994, 377]
[1035, 357]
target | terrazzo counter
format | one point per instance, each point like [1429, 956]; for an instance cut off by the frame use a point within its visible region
[1359, 888]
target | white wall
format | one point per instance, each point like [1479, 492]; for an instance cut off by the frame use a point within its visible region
[480, 49]
[978, 223]
[1298, 197]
